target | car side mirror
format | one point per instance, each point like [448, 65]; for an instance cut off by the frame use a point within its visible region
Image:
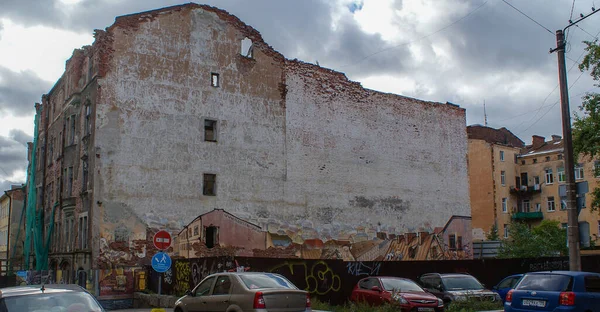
[439, 287]
[376, 288]
[189, 293]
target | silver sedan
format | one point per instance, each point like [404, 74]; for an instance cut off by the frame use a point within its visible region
[244, 291]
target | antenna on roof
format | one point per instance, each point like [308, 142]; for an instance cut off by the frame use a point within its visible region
[484, 115]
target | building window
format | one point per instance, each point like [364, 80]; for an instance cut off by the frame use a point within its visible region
[196, 230]
[535, 160]
[564, 225]
[525, 205]
[88, 113]
[247, 48]
[563, 204]
[214, 80]
[501, 155]
[506, 231]
[597, 169]
[209, 186]
[71, 138]
[504, 205]
[84, 174]
[210, 130]
[69, 181]
[547, 158]
[503, 178]
[559, 157]
[550, 204]
[83, 231]
[578, 172]
[121, 235]
[211, 236]
[452, 242]
[69, 235]
[523, 162]
[536, 180]
[561, 174]
[549, 176]
[459, 244]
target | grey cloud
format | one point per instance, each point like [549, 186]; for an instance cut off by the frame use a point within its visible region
[20, 136]
[13, 157]
[19, 91]
[32, 12]
[5, 185]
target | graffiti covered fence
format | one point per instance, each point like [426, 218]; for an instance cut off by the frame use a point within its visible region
[333, 280]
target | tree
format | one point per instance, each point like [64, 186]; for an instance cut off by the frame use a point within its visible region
[545, 240]
[493, 233]
[586, 127]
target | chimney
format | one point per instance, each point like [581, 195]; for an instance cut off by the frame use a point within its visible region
[556, 137]
[537, 141]
[423, 237]
[410, 237]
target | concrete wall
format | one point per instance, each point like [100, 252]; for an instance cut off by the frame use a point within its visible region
[300, 150]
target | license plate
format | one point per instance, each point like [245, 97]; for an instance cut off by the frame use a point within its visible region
[534, 303]
[425, 309]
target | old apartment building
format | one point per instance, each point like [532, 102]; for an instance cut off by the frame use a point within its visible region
[526, 183]
[12, 230]
[174, 112]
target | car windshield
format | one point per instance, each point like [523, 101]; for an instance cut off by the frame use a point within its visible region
[255, 281]
[545, 282]
[461, 283]
[399, 284]
[54, 302]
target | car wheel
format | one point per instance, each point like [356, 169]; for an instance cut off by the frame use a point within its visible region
[178, 309]
[447, 303]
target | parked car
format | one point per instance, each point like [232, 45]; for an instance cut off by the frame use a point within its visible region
[506, 284]
[48, 298]
[555, 291]
[456, 287]
[394, 290]
[244, 291]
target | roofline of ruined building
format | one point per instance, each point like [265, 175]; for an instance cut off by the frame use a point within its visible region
[134, 19]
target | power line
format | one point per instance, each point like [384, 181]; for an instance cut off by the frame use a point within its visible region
[595, 37]
[570, 18]
[528, 17]
[419, 39]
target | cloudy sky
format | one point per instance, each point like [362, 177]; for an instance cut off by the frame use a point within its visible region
[465, 52]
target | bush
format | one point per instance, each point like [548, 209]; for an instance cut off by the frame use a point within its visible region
[474, 305]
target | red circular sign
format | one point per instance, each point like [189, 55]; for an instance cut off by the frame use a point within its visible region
[162, 240]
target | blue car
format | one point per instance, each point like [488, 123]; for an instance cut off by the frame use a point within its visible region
[506, 284]
[555, 291]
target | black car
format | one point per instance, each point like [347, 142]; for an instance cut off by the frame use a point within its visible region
[456, 287]
[67, 298]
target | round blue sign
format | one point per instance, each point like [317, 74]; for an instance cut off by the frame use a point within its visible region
[161, 262]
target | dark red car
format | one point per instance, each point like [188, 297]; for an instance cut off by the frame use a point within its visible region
[378, 290]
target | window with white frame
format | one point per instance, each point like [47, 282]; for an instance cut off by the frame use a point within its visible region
[504, 205]
[506, 231]
[578, 172]
[501, 155]
[561, 174]
[563, 203]
[538, 207]
[550, 204]
[549, 176]
[503, 177]
[525, 205]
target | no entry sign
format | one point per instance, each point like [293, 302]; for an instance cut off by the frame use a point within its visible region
[162, 240]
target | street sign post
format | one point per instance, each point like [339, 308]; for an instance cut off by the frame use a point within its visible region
[161, 263]
[162, 240]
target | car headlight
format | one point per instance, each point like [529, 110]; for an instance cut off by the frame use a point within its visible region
[440, 303]
[400, 299]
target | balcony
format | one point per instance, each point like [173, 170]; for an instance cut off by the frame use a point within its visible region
[538, 215]
[525, 190]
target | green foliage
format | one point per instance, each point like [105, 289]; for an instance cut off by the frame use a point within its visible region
[493, 233]
[473, 306]
[545, 240]
[586, 127]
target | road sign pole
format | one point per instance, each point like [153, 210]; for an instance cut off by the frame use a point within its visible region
[159, 282]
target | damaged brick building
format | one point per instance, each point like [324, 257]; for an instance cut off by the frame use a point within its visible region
[174, 112]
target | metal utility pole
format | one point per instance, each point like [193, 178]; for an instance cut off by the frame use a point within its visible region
[572, 213]
[573, 216]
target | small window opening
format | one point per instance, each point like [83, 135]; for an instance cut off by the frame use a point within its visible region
[212, 236]
[210, 130]
[214, 79]
[209, 187]
[247, 48]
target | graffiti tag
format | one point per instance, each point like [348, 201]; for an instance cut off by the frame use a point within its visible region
[319, 279]
[182, 277]
[360, 269]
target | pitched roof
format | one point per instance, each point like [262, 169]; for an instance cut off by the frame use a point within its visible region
[500, 136]
[554, 145]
